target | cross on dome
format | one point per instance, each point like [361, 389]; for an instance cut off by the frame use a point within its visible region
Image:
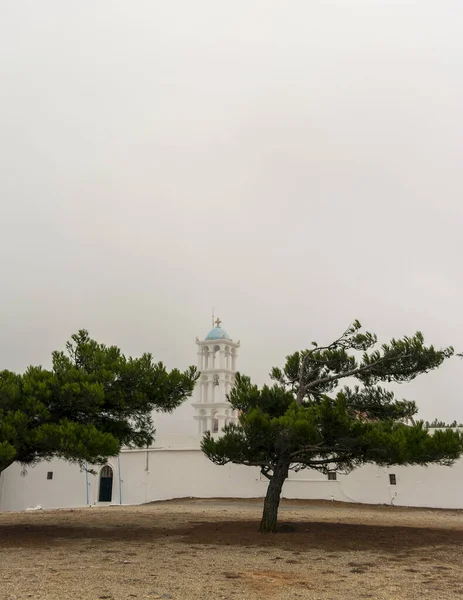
[217, 333]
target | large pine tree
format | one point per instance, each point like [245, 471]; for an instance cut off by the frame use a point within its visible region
[92, 402]
[304, 420]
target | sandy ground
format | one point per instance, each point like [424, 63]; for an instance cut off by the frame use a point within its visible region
[199, 549]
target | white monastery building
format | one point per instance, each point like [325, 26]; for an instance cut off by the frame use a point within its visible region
[175, 467]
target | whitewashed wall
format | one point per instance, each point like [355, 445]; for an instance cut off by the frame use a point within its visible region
[176, 468]
[67, 488]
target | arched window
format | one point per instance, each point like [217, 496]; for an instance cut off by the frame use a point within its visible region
[205, 357]
[215, 423]
[214, 362]
[106, 471]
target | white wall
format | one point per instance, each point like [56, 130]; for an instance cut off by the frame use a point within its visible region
[67, 488]
[184, 473]
[170, 471]
[435, 486]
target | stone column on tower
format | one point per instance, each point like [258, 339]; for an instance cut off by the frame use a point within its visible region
[209, 423]
[233, 361]
[222, 358]
[222, 392]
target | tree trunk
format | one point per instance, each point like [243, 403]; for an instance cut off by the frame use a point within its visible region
[272, 498]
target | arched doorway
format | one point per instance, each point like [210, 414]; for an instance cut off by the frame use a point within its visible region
[106, 484]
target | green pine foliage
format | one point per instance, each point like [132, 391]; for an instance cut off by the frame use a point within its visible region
[307, 420]
[442, 424]
[92, 402]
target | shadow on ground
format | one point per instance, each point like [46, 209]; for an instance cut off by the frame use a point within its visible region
[294, 536]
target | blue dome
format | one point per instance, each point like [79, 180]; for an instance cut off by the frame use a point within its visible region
[217, 334]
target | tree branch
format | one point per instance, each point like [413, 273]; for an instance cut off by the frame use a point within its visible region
[350, 373]
[238, 461]
[320, 348]
[265, 472]
[321, 461]
[331, 346]
[363, 369]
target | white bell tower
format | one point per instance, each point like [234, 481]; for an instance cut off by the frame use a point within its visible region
[217, 356]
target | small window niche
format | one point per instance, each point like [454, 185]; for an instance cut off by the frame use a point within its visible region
[332, 476]
[392, 479]
[50, 475]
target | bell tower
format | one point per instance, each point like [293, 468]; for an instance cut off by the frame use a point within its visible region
[217, 356]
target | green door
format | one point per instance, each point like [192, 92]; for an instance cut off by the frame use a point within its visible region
[106, 484]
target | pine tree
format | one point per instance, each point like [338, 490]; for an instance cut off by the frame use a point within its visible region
[92, 402]
[305, 420]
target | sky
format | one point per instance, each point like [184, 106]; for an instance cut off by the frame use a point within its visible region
[296, 165]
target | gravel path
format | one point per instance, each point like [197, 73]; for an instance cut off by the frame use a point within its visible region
[202, 549]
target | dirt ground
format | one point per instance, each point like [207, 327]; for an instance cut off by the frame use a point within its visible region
[201, 549]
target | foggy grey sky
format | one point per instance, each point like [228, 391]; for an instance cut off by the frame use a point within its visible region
[294, 164]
